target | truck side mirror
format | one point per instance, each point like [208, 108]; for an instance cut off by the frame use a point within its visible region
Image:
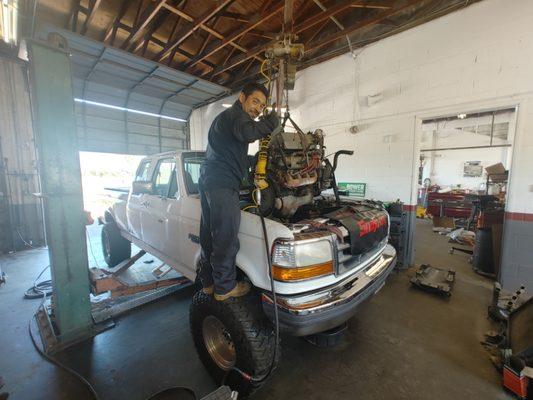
[142, 187]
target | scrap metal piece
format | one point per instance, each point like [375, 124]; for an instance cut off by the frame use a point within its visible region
[434, 279]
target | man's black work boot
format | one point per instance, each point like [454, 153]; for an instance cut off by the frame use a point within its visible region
[240, 289]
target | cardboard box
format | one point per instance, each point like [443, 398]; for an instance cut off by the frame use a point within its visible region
[497, 173]
[495, 169]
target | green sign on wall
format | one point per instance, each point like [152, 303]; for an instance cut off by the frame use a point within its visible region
[353, 188]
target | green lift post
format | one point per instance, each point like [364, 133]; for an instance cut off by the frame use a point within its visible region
[56, 141]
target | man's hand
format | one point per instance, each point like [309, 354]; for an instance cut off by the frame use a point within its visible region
[271, 120]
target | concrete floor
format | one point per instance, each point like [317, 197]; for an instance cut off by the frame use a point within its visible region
[404, 344]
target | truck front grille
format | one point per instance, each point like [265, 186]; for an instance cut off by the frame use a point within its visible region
[348, 262]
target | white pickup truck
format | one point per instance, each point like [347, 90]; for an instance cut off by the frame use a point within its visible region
[324, 266]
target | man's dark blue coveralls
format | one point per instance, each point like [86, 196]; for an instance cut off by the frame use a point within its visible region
[221, 174]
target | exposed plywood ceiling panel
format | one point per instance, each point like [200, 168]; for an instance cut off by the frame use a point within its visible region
[223, 40]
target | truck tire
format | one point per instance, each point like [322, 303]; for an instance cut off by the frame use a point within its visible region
[233, 333]
[115, 248]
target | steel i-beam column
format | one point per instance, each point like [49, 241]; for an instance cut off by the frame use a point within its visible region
[56, 140]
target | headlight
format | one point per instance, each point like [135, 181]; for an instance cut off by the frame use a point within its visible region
[299, 261]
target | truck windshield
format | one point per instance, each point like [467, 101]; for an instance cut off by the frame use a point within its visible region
[191, 168]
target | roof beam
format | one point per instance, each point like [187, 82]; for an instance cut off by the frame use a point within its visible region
[149, 35]
[234, 16]
[93, 7]
[206, 28]
[226, 59]
[162, 44]
[308, 23]
[316, 32]
[158, 21]
[195, 26]
[323, 8]
[138, 28]
[371, 6]
[171, 36]
[288, 19]
[208, 37]
[318, 18]
[111, 32]
[301, 11]
[359, 26]
[74, 14]
[264, 34]
[234, 36]
[265, 6]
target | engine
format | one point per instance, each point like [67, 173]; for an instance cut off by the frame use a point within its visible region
[296, 171]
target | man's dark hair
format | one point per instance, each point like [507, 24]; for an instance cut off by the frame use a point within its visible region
[251, 87]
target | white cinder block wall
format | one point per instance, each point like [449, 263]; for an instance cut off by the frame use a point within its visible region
[478, 58]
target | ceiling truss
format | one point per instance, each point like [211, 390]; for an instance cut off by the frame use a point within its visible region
[224, 40]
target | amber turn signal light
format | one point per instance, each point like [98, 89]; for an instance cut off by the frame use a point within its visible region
[301, 273]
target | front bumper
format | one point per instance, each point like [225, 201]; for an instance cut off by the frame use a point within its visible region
[318, 311]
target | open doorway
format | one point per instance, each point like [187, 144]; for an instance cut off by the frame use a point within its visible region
[464, 165]
[105, 178]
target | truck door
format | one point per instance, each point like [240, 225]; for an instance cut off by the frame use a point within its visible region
[189, 209]
[154, 213]
[137, 199]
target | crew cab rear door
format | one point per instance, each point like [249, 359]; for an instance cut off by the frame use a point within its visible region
[137, 198]
[154, 215]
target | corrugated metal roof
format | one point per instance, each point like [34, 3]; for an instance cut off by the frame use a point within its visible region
[112, 76]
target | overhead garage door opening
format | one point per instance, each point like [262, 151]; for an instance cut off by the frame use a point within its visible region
[465, 160]
[106, 178]
[101, 172]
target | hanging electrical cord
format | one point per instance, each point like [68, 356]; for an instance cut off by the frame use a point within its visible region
[24, 241]
[38, 290]
[52, 360]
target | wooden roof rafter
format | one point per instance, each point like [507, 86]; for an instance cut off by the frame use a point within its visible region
[357, 26]
[204, 27]
[183, 35]
[223, 40]
[307, 24]
[148, 14]
[254, 23]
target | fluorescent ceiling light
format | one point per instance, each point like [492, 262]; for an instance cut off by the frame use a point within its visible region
[226, 105]
[94, 103]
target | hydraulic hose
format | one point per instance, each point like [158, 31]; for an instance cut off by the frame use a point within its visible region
[260, 168]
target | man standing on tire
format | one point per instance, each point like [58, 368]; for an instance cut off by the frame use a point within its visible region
[221, 174]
